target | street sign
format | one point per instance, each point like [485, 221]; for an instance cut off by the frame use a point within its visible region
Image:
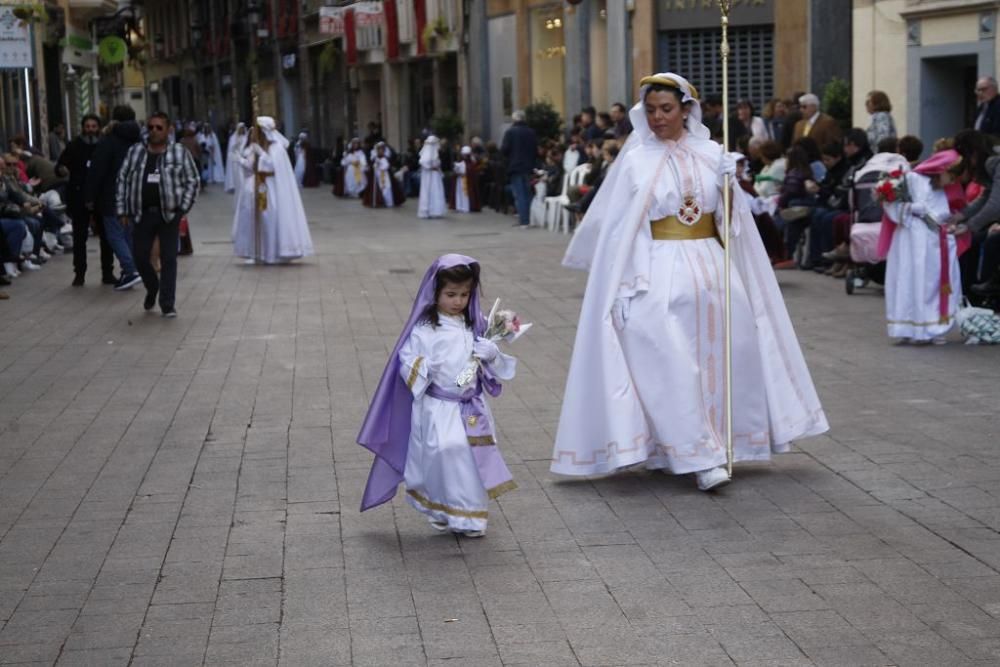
[112, 49]
[15, 41]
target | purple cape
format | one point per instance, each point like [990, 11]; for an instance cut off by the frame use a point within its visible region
[386, 429]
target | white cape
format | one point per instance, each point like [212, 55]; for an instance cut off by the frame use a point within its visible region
[604, 425]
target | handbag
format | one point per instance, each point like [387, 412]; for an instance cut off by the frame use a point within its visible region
[978, 325]
[793, 213]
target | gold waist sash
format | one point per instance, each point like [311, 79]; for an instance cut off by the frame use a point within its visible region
[672, 229]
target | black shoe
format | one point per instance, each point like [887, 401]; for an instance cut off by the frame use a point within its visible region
[4, 280]
[78, 280]
[149, 301]
[991, 286]
[109, 280]
[128, 282]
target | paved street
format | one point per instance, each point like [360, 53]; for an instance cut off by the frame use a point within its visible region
[186, 492]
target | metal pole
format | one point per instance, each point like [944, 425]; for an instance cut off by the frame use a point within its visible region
[727, 207]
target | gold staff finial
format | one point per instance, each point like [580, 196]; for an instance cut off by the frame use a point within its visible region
[727, 206]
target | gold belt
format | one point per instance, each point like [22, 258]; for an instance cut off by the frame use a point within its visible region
[672, 229]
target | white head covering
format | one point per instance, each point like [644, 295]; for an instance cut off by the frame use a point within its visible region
[429, 151]
[466, 150]
[270, 129]
[689, 95]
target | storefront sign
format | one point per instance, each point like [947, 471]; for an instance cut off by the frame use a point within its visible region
[331, 21]
[367, 14]
[15, 41]
[682, 14]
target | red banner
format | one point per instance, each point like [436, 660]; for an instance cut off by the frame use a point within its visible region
[350, 38]
[391, 30]
[420, 14]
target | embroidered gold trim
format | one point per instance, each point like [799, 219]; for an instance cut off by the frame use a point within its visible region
[921, 324]
[454, 511]
[501, 489]
[481, 440]
[414, 372]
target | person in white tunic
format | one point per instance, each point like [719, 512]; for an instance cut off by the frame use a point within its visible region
[923, 289]
[270, 224]
[647, 378]
[300, 157]
[213, 170]
[237, 142]
[432, 203]
[355, 169]
[425, 428]
[462, 181]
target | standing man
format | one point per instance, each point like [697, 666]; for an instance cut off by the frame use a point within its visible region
[99, 189]
[520, 150]
[156, 187]
[988, 112]
[818, 126]
[75, 160]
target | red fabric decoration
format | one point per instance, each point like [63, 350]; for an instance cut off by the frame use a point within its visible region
[420, 14]
[350, 38]
[391, 30]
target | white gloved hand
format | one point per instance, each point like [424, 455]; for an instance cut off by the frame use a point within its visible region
[619, 313]
[485, 349]
[918, 209]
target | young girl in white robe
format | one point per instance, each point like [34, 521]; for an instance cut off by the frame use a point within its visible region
[425, 428]
[462, 182]
[355, 169]
[432, 203]
[923, 289]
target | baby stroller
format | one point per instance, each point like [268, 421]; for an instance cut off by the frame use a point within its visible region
[866, 222]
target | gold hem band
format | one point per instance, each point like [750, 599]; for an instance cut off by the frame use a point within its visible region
[454, 511]
[501, 489]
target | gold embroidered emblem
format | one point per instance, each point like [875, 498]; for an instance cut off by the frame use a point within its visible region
[473, 420]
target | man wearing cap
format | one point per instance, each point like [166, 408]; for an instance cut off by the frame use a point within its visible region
[818, 126]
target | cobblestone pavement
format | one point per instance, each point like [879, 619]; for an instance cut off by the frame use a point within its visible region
[185, 492]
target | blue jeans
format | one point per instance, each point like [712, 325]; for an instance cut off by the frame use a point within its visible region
[34, 226]
[520, 187]
[120, 240]
[821, 233]
[14, 232]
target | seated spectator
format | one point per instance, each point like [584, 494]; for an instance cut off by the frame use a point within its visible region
[619, 118]
[911, 148]
[795, 201]
[574, 151]
[553, 172]
[815, 157]
[774, 115]
[768, 182]
[605, 125]
[751, 124]
[833, 197]
[888, 145]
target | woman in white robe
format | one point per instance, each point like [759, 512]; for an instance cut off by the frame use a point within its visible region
[432, 203]
[382, 172]
[462, 182]
[213, 170]
[647, 378]
[237, 142]
[355, 169]
[300, 158]
[921, 299]
[270, 224]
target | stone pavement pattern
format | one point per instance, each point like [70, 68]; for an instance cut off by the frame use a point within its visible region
[185, 492]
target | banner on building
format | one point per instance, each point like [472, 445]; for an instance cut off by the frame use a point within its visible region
[15, 41]
[331, 21]
[368, 14]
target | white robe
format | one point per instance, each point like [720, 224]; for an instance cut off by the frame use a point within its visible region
[432, 203]
[283, 229]
[461, 188]
[442, 480]
[300, 164]
[355, 172]
[234, 173]
[383, 179]
[213, 170]
[653, 393]
[913, 267]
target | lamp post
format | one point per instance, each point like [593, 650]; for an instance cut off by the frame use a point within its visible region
[253, 19]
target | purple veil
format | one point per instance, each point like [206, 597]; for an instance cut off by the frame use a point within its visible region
[386, 429]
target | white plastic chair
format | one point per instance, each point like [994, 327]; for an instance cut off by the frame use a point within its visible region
[554, 204]
[537, 209]
[561, 220]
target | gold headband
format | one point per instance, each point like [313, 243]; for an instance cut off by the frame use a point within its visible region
[666, 81]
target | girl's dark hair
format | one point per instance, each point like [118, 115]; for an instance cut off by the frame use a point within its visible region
[810, 146]
[770, 150]
[797, 158]
[974, 147]
[455, 275]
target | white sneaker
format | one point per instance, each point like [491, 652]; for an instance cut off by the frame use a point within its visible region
[439, 525]
[474, 533]
[43, 254]
[712, 479]
[249, 261]
[11, 269]
[31, 266]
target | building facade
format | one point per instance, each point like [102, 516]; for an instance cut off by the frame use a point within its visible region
[926, 55]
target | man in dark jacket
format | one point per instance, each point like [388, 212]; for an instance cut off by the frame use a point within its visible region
[99, 189]
[74, 161]
[987, 118]
[520, 150]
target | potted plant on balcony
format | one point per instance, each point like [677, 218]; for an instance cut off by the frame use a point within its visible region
[436, 32]
[30, 12]
[329, 58]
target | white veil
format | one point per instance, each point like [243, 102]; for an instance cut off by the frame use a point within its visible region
[429, 151]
